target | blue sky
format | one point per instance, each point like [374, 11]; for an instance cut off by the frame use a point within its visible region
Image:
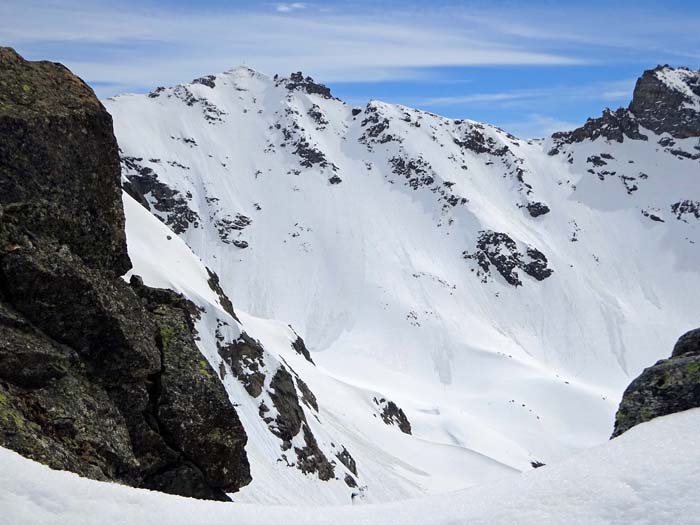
[531, 67]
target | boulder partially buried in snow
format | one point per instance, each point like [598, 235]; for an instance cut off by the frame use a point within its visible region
[671, 385]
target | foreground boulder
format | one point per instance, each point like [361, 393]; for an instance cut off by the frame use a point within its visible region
[671, 385]
[59, 161]
[97, 376]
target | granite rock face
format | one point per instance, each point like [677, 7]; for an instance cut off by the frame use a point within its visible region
[671, 385]
[97, 376]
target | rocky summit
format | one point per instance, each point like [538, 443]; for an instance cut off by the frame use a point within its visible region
[665, 100]
[97, 376]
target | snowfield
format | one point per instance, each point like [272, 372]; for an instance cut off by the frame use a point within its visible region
[501, 292]
[393, 464]
[648, 475]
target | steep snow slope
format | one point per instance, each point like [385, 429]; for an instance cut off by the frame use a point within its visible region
[343, 422]
[501, 292]
[648, 475]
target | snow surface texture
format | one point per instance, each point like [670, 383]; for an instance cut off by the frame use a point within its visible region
[678, 79]
[647, 476]
[406, 249]
[393, 464]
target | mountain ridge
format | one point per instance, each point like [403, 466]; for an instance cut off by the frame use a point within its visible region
[466, 305]
[467, 275]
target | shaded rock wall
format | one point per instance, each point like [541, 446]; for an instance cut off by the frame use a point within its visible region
[665, 110]
[59, 167]
[97, 376]
[658, 104]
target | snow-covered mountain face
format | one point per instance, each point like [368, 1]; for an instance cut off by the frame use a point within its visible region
[472, 302]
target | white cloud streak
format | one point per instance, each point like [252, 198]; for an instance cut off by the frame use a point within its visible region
[536, 125]
[332, 46]
[143, 45]
[615, 91]
[288, 8]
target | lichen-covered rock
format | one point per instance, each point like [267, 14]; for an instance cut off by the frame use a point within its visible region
[100, 317]
[95, 378]
[671, 385]
[28, 357]
[687, 344]
[59, 167]
[191, 408]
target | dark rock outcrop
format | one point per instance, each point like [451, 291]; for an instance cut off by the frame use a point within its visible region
[297, 81]
[684, 208]
[612, 125]
[169, 205]
[215, 287]
[665, 100]
[189, 404]
[671, 385]
[347, 460]
[392, 414]
[536, 209]
[47, 115]
[208, 80]
[290, 421]
[245, 357]
[499, 250]
[300, 348]
[96, 376]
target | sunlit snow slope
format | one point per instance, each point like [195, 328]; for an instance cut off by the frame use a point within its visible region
[344, 423]
[501, 292]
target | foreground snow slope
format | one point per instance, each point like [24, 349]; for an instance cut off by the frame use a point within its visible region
[649, 475]
[502, 292]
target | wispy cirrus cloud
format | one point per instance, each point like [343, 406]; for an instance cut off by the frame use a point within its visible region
[333, 44]
[536, 125]
[337, 42]
[289, 7]
[401, 50]
[613, 91]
